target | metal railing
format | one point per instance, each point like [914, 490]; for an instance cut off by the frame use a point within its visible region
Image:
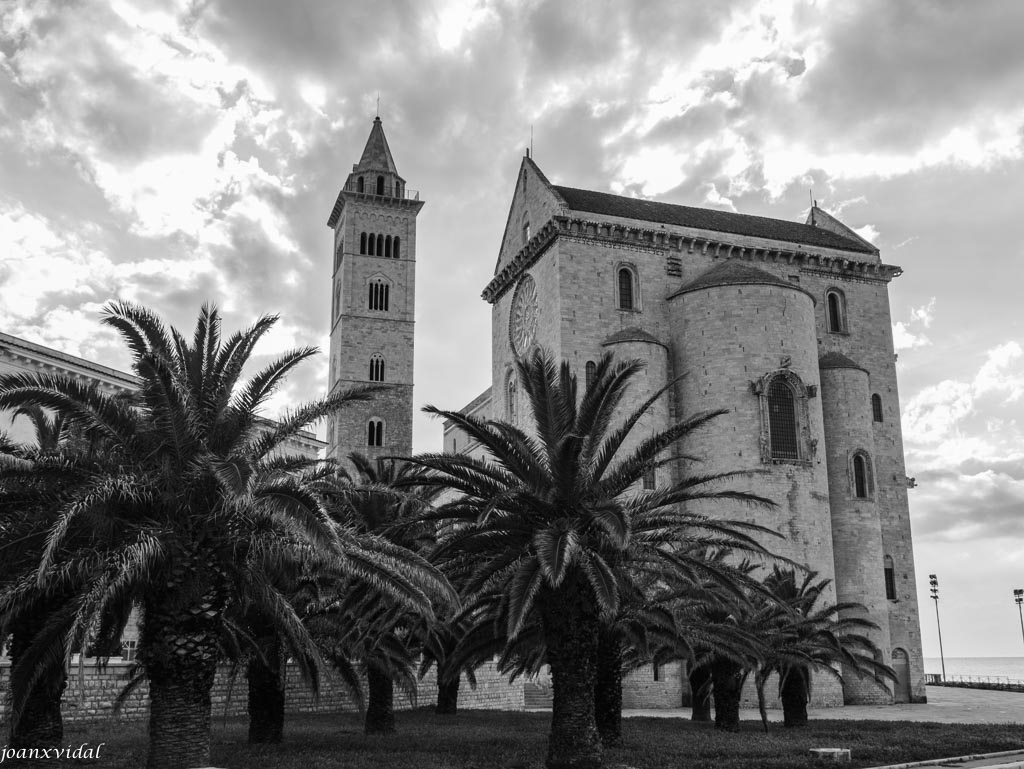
[1003, 683]
[387, 191]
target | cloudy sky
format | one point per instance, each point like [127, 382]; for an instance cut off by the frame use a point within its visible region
[174, 152]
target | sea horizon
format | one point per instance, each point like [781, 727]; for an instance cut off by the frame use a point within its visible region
[978, 667]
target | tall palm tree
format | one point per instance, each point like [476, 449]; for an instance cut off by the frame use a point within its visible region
[801, 633]
[546, 513]
[180, 524]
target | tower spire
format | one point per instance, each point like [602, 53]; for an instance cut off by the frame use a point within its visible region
[377, 155]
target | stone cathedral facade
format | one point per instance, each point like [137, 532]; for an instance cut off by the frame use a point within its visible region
[373, 302]
[785, 325]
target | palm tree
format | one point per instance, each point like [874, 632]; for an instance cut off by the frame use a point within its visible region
[33, 478]
[376, 505]
[181, 523]
[801, 633]
[545, 515]
[670, 555]
[725, 646]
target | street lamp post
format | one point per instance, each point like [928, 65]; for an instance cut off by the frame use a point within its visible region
[934, 582]
[1018, 597]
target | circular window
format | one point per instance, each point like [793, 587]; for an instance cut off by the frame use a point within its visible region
[522, 323]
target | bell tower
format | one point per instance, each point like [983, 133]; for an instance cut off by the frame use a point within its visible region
[373, 302]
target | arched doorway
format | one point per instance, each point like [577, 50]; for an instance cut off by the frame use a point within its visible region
[901, 664]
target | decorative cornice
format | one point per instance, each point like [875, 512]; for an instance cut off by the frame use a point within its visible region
[647, 239]
[376, 200]
[522, 261]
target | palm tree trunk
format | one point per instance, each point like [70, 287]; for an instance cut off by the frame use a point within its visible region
[762, 708]
[447, 697]
[380, 707]
[266, 697]
[179, 713]
[570, 635]
[727, 677]
[179, 649]
[700, 693]
[40, 724]
[608, 691]
[794, 698]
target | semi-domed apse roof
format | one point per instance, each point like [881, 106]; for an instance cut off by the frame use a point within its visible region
[735, 272]
[631, 334]
[837, 360]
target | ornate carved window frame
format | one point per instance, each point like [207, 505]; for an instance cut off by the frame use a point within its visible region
[806, 446]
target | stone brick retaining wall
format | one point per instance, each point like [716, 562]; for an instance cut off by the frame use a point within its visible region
[92, 692]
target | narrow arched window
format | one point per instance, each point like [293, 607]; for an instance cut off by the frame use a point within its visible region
[394, 248]
[362, 242]
[360, 184]
[591, 369]
[371, 244]
[380, 185]
[379, 294]
[511, 410]
[876, 407]
[835, 306]
[526, 232]
[861, 476]
[376, 368]
[387, 246]
[375, 432]
[626, 293]
[380, 245]
[782, 426]
[338, 254]
[890, 579]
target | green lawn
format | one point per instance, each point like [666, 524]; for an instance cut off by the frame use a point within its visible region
[500, 740]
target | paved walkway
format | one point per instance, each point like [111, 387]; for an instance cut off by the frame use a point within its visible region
[946, 705]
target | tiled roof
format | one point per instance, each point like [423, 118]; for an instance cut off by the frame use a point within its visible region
[707, 219]
[837, 360]
[631, 334]
[734, 272]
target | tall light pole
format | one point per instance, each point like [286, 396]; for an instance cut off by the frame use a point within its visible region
[1018, 596]
[934, 582]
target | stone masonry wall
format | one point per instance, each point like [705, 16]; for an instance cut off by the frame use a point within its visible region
[92, 691]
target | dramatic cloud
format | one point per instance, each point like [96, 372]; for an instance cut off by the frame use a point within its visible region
[173, 152]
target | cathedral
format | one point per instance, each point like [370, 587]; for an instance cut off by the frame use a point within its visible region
[784, 325]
